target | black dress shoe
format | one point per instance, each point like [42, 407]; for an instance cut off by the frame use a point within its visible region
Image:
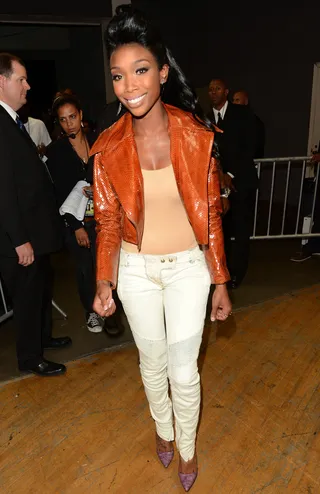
[112, 326]
[60, 342]
[45, 368]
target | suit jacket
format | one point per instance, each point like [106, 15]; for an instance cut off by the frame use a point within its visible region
[237, 145]
[260, 137]
[28, 210]
[119, 196]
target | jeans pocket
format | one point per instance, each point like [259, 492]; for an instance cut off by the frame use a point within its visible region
[202, 268]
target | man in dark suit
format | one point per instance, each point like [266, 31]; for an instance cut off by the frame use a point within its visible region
[30, 227]
[241, 97]
[237, 149]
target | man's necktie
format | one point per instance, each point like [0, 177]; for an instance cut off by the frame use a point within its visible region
[21, 126]
[220, 121]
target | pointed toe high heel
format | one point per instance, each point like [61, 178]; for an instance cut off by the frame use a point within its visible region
[188, 479]
[164, 456]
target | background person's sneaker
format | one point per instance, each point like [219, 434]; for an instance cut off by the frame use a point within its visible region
[94, 323]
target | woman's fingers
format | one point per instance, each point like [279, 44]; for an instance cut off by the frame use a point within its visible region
[109, 308]
[223, 313]
[104, 304]
[84, 242]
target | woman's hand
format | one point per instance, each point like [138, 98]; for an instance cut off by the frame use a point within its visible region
[315, 158]
[225, 203]
[82, 238]
[88, 191]
[227, 182]
[221, 305]
[41, 150]
[103, 303]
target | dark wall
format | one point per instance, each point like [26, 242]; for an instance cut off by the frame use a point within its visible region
[81, 68]
[269, 50]
[78, 66]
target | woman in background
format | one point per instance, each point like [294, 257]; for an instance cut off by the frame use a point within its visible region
[68, 163]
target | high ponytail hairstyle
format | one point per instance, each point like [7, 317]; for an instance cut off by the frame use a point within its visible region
[130, 26]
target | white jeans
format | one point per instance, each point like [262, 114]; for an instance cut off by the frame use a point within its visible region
[165, 299]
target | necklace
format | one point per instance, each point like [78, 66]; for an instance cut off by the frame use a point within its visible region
[84, 159]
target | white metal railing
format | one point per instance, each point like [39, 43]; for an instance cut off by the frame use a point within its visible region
[7, 312]
[300, 163]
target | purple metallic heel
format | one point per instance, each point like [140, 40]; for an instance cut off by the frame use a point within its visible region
[187, 479]
[164, 456]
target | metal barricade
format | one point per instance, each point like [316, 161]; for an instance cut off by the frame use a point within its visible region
[271, 224]
[7, 312]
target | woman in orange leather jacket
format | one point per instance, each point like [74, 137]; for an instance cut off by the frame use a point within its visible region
[159, 234]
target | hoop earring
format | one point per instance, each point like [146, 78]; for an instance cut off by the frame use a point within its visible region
[82, 124]
[119, 109]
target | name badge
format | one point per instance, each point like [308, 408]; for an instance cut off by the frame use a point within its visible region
[90, 209]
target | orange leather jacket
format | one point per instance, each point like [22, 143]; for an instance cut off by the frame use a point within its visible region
[119, 197]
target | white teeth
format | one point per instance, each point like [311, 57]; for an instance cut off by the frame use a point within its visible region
[136, 100]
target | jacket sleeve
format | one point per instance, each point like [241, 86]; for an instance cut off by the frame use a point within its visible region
[215, 255]
[11, 217]
[73, 222]
[108, 216]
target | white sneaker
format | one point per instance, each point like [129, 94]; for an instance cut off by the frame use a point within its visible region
[94, 323]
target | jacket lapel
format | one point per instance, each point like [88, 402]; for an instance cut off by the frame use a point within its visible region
[121, 164]
[15, 128]
[227, 113]
[191, 174]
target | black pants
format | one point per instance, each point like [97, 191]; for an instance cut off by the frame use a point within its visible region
[237, 224]
[30, 290]
[85, 260]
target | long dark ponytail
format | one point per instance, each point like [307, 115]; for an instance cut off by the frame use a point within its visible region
[130, 26]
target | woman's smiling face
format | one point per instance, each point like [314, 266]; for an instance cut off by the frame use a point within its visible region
[137, 78]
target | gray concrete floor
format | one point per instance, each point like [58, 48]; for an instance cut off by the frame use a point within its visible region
[271, 274]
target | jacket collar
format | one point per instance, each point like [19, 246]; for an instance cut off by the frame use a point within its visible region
[121, 130]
